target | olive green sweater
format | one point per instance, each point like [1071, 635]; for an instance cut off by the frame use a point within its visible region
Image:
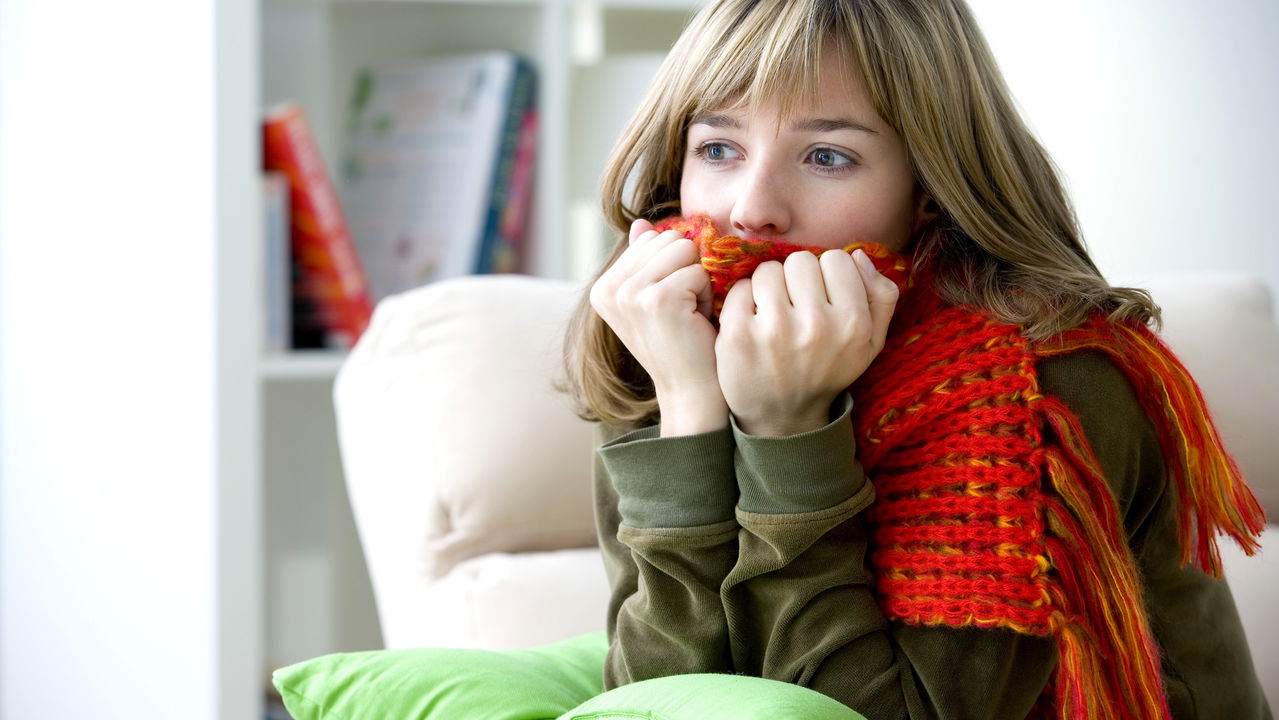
[741, 554]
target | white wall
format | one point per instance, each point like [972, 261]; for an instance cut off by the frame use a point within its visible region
[128, 534]
[1161, 114]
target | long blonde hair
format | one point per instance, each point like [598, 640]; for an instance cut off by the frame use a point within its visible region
[1006, 239]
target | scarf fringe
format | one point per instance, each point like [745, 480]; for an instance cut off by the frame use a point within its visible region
[1109, 664]
[1214, 499]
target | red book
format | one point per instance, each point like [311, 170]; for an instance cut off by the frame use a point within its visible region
[331, 275]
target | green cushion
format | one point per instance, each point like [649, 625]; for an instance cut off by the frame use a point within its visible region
[439, 683]
[560, 681]
[710, 697]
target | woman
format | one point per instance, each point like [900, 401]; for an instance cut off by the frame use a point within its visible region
[947, 474]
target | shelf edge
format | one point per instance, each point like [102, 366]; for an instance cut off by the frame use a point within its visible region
[302, 365]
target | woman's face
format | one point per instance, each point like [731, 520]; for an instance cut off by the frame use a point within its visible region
[831, 174]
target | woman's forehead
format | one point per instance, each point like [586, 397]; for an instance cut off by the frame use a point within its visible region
[789, 82]
[832, 90]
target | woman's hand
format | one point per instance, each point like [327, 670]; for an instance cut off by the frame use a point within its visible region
[794, 336]
[657, 299]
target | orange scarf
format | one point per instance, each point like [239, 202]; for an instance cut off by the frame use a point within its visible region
[991, 510]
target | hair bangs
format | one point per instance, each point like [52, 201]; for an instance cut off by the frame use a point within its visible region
[762, 52]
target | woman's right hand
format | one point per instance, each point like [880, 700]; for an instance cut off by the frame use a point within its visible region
[657, 299]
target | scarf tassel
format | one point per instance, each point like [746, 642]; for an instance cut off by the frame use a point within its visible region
[1215, 498]
[1109, 663]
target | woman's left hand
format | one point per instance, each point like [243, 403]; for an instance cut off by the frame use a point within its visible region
[795, 335]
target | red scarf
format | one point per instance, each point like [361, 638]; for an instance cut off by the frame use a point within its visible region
[991, 510]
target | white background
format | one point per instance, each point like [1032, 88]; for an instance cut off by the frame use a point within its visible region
[1161, 115]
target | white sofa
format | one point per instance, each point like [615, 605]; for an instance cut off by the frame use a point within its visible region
[469, 476]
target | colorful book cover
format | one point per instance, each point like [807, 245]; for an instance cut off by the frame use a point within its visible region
[425, 142]
[511, 253]
[495, 249]
[329, 269]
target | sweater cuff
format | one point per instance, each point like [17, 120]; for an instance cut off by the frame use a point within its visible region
[800, 473]
[684, 481]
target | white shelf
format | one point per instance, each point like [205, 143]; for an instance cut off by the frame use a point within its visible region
[303, 365]
[594, 59]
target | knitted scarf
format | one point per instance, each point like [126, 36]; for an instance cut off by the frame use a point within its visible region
[991, 510]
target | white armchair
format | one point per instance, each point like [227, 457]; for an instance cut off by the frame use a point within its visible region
[469, 476]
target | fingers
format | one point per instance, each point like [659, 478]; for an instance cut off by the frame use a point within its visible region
[645, 246]
[796, 282]
[706, 295]
[739, 303]
[650, 259]
[844, 286]
[768, 288]
[696, 281]
[639, 227]
[881, 294]
[662, 256]
[804, 283]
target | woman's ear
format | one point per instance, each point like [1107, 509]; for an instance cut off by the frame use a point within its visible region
[926, 212]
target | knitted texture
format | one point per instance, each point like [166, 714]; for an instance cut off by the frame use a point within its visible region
[991, 510]
[728, 258]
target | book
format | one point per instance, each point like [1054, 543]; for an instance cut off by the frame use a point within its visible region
[511, 254]
[277, 286]
[429, 162]
[328, 272]
[495, 248]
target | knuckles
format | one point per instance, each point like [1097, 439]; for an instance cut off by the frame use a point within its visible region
[800, 258]
[603, 297]
[652, 299]
[888, 290]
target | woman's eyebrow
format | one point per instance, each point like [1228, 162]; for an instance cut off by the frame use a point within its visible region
[717, 121]
[809, 125]
[830, 125]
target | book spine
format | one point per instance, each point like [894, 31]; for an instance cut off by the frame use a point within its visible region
[520, 100]
[510, 255]
[322, 247]
[277, 287]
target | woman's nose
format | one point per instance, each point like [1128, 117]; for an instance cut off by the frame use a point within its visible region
[761, 208]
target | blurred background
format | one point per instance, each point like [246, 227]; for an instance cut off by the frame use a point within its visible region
[173, 523]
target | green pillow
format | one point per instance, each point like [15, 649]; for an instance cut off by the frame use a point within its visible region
[446, 683]
[711, 697]
[560, 681]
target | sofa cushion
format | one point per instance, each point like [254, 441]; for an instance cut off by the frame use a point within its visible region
[454, 441]
[502, 601]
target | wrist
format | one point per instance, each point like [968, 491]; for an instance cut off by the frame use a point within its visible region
[784, 424]
[690, 412]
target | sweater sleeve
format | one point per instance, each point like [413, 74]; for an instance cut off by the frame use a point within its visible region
[664, 516]
[800, 604]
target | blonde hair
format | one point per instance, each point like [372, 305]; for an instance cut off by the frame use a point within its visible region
[1006, 239]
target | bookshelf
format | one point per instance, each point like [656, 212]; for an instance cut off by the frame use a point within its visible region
[593, 59]
[302, 365]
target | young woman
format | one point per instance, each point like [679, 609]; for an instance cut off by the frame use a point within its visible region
[871, 420]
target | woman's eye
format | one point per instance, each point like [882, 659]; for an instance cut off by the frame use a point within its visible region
[828, 158]
[715, 152]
